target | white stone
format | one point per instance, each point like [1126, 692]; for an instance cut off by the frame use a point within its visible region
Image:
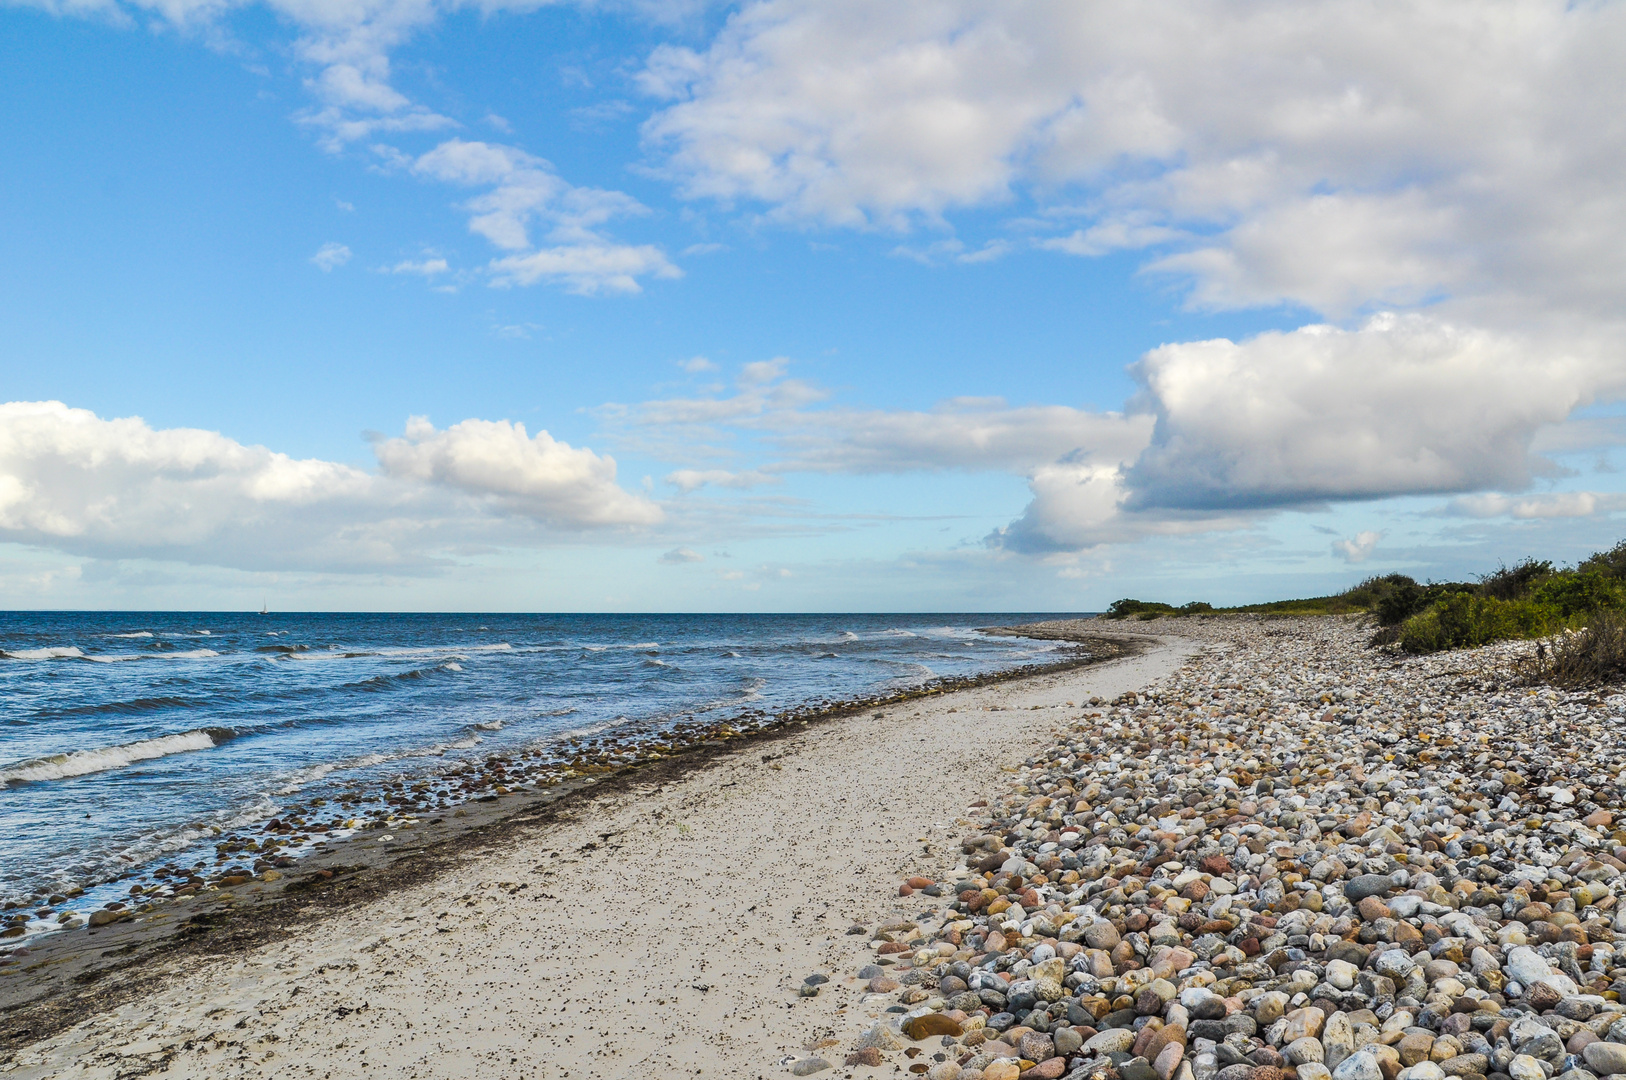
[1342, 973]
[1527, 966]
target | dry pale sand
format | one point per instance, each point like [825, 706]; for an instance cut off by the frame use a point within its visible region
[663, 931]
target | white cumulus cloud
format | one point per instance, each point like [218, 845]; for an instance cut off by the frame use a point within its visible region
[1401, 405]
[1553, 504]
[538, 476]
[72, 481]
[1357, 548]
[1335, 155]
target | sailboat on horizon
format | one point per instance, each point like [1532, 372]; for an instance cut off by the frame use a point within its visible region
[265, 608]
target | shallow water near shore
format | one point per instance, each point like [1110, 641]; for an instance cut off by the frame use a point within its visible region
[129, 737]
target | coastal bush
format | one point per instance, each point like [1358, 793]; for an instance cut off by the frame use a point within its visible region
[1530, 599]
[1611, 563]
[1515, 582]
[1579, 593]
[1138, 609]
[1462, 621]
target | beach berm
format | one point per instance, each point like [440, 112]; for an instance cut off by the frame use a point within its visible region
[1295, 858]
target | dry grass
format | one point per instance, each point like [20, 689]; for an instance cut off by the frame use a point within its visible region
[1594, 655]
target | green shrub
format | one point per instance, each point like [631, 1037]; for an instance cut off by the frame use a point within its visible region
[1463, 620]
[1144, 609]
[1575, 593]
[1611, 563]
[1515, 582]
[1399, 602]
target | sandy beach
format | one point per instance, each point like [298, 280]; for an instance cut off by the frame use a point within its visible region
[659, 927]
[1256, 849]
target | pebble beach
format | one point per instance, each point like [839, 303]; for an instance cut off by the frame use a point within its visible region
[1257, 850]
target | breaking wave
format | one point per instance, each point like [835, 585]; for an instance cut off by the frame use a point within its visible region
[85, 762]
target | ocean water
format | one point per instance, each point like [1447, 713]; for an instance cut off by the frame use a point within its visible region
[124, 737]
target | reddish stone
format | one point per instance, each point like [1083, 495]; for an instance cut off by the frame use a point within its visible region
[1372, 908]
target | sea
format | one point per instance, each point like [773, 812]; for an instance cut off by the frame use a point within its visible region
[131, 737]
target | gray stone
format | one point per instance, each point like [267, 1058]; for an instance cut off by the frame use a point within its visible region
[1423, 1070]
[1303, 1050]
[1525, 1067]
[1337, 1040]
[1361, 1065]
[1605, 1058]
[1526, 965]
[1358, 889]
[1111, 1041]
[809, 1066]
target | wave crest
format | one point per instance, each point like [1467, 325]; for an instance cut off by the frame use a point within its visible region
[102, 759]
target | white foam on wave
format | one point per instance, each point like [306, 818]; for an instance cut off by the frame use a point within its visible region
[85, 762]
[294, 781]
[57, 652]
[154, 844]
[138, 633]
[183, 654]
[448, 653]
[452, 665]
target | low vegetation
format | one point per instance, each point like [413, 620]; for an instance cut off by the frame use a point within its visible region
[1583, 607]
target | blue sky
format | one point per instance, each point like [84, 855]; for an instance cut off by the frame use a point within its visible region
[802, 306]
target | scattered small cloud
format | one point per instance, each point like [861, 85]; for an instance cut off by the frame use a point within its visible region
[524, 191]
[500, 123]
[694, 365]
[682, 555]
[330, 256]
[953, 250]
[1106, 237]
[704, 249]
[1556, 504]
[515, 331]
[1358, 548]
[347, 207]
[421, 267]
[687, 480]
[600, 114]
